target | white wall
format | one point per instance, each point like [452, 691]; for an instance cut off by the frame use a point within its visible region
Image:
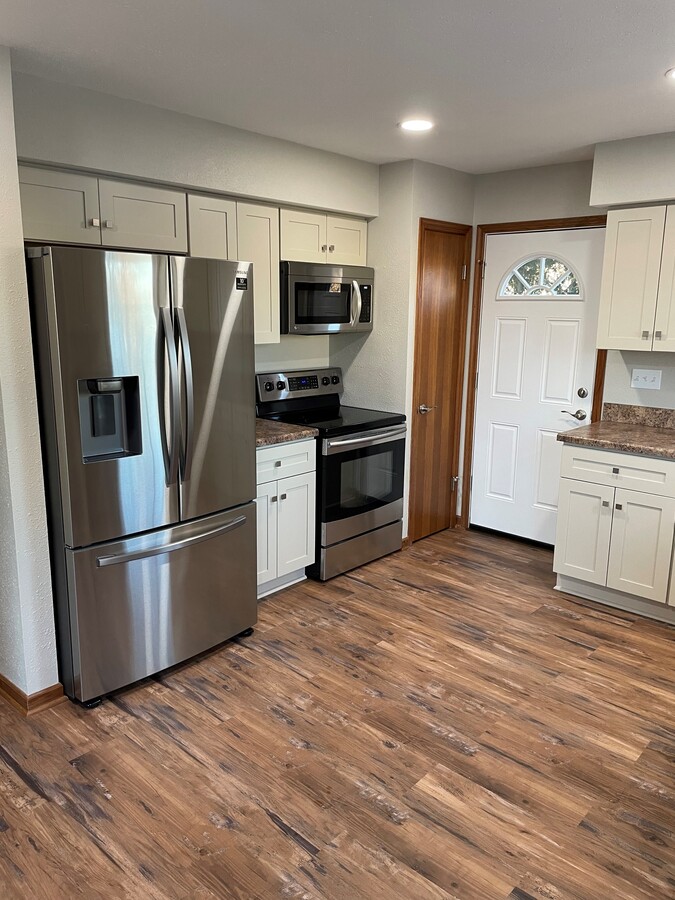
[294, 351]
[637, 170]
[71, 126]
[619, 372]
[27, 642]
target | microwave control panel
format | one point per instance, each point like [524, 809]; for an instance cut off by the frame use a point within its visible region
[366, 303]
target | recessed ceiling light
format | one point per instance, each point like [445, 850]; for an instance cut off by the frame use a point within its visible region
[416, 125]
[670, 73]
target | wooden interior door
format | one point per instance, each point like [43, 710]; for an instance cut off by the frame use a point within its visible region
[440, 332]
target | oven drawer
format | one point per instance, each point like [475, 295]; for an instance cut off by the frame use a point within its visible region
[284, 460]
[627, 470]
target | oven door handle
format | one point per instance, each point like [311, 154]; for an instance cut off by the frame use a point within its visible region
[356, 312]
[372, 439]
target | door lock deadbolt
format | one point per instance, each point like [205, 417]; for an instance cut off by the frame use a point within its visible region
[582, 392]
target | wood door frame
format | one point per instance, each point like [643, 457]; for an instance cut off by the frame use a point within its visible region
[467, 231]
[482, 232]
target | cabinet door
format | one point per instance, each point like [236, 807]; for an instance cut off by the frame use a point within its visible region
[141, 217]
[295, 540]
[630, 278]
[346, 240]
[664, 326]
[59, 206]
[213, 227]
[642, 544]
[583, 530]
[303, 236]
[266, 515]
[258, 241]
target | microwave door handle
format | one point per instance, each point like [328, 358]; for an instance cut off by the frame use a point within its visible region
[356, 295]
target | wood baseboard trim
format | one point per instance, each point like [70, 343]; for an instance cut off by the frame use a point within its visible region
[29, 704]
[407, 543]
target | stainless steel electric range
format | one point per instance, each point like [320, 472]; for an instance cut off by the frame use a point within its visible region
[360, 460]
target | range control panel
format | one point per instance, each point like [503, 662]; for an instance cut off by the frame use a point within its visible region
[272, 386]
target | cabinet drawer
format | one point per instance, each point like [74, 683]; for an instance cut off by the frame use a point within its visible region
[284, 460]
[625, 470]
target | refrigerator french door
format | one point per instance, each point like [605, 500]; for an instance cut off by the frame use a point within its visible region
[145, 366]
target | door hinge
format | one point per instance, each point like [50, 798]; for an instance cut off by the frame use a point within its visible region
[481, 263]
[454, 481]
[464, 272]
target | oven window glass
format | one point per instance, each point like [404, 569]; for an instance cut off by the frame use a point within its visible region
[361, 480]
[322, 304]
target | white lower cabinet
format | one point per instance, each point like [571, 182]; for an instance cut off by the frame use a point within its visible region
[614, 537]
[285, 515]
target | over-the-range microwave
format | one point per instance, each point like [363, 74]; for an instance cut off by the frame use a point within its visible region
[325, 299]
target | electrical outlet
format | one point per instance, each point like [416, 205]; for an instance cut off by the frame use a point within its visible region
[646, 379]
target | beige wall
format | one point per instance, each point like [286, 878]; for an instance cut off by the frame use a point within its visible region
[639, 170]
[27, 642]
[71, 126]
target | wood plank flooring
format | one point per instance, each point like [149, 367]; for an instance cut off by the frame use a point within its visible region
[440, 723]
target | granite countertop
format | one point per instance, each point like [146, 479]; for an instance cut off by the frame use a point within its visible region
[268, 432]
[626, 437]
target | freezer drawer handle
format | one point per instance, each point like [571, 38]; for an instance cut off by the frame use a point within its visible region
[146, 552]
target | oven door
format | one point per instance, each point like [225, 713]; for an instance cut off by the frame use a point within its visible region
[361, 482]
[320, 306]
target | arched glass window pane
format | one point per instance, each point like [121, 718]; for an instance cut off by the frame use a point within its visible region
[539, 277]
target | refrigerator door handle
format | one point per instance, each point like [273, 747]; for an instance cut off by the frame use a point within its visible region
[144, 553]
[187, 450]
[171, 451]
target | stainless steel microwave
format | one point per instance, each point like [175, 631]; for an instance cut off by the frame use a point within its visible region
[325, 299]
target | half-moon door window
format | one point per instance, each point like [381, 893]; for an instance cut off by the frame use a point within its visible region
[540, 276]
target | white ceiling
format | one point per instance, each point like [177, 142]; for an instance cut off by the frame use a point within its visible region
[510, 83]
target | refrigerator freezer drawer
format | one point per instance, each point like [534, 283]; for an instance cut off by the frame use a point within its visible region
[143, 604]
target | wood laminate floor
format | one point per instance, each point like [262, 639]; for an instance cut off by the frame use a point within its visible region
[440, 723]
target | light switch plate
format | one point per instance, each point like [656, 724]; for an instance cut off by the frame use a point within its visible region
[646, 379]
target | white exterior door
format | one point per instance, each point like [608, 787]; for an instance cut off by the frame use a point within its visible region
[536, 358]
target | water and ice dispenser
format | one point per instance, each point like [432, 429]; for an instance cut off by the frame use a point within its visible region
[110, 418]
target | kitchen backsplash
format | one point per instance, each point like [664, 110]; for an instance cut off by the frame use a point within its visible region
[619, 379]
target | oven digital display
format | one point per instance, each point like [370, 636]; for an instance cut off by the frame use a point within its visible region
[303, 383]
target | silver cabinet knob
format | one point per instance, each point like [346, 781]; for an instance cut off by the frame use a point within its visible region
[95, 223]
[645, 335]
[273, 499]
[424, 409]
[283, 496]
[324, 247]
[580, 414]
[619, 506]
[331, 247]
[658, 335]
[108, 223]
[605, 503]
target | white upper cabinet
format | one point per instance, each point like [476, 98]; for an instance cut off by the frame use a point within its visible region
[213, 227]
[142, 217]
[664, 325]
[59, 206]
[630, 281]
[346, 240]
[316, 237]
[258, 243]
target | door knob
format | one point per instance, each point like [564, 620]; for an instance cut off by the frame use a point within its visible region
[580, 414]
[424, 409]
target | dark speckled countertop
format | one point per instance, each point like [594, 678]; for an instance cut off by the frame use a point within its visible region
[626, 437]
[268, 433]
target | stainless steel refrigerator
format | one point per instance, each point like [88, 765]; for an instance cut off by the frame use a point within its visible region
[146, 380]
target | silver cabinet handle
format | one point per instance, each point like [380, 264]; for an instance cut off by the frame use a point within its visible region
[423, 409]
[187, 450]
[580, 414]
[171, 452]
[324, 247]
[657, 336]
[283, 496]
[605, 503]
[619, 506]
[273, 499]
[331, 247]
[645, 335]
[145, 553]
[95, 223]
[108, 223]
[615, 470]
[277, 463]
